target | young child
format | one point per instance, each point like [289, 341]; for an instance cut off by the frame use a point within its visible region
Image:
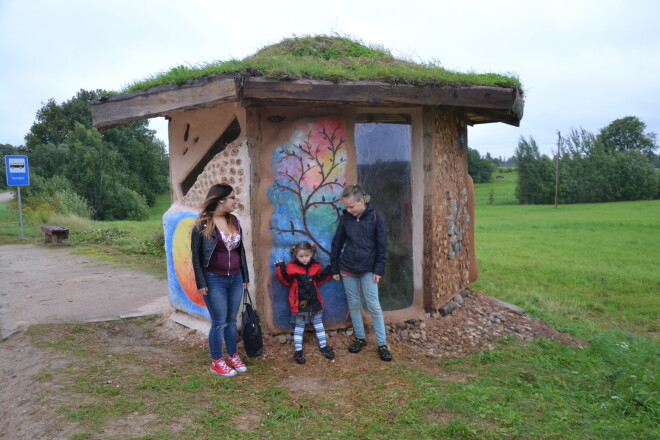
[303, 275]
[359, 254]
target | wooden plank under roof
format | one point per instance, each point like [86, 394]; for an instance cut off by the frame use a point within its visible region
[111, 111]
[481, 104]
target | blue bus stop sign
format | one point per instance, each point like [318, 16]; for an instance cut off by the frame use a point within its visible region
[17, 170]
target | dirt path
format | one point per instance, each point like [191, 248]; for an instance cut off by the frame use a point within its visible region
[46, 284]
[6, 196]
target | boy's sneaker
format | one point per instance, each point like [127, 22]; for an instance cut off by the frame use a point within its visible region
[357, 345]
[299, 357]
[327, 352]
[236, 363]
[221, 368]
[384, 353]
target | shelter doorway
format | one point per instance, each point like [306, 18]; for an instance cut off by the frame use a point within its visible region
[383, 149]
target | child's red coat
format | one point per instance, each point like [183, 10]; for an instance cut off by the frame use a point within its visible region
[302, 281]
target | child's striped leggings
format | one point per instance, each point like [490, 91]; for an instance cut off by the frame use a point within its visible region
[300, 329]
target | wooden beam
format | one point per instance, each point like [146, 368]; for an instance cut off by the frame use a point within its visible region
[381, 94]
[111, 111]
[487, 104]
[474, 117]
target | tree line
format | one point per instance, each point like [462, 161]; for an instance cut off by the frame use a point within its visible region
[117, 174]
[614, 165]
[75, 169]
[617, 164]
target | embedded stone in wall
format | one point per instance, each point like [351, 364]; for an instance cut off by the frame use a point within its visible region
[457, 222]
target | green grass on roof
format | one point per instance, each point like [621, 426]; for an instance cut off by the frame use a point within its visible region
[329, 58]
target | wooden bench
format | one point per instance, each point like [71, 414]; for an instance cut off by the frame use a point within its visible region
[56, 232]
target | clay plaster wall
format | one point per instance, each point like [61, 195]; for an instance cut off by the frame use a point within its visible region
[275, 129]
[282, 132]
[253, 164]
[191, 135]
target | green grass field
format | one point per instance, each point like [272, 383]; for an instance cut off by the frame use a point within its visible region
[498, 192]
[590, 270]
[577, 265]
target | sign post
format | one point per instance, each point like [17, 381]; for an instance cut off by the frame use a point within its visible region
[18, 175]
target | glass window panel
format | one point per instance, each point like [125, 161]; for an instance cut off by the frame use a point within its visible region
[383, 157]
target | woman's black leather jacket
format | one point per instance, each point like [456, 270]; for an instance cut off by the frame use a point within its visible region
[202, 249]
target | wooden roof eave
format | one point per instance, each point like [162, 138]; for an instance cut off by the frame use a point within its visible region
[486, 104]
[112, 111]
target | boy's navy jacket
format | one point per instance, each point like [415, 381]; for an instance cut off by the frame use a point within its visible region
[360, 244]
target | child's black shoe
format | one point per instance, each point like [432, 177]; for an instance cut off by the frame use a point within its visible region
[299, 357]
[384, 353]
[357, 345]
[327, 352]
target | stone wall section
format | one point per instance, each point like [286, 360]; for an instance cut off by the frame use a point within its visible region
[446, 211]
[230, 166]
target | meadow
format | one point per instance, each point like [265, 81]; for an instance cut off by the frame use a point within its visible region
[589, 270]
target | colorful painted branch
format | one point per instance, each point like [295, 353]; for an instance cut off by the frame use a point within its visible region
[311, 153]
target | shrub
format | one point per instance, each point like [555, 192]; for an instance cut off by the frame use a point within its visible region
[68, 202]
[122, 203]
[99, 236]
[54, 195]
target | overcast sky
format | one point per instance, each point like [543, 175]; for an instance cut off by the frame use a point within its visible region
[582, 63]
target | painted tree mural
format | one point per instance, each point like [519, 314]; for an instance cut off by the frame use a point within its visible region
[309, 177]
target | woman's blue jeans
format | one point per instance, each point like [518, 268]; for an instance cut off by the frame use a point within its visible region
[352, 287]
[223, 300]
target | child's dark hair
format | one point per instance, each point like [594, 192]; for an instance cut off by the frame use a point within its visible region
[303, 246]
[356, 192]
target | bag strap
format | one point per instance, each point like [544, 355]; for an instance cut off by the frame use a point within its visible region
[246, 295]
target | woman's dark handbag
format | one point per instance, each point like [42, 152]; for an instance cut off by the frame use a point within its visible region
[251, 328]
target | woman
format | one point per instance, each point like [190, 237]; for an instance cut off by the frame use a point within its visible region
[221, 274]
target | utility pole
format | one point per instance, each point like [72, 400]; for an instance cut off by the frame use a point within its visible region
[557, 168]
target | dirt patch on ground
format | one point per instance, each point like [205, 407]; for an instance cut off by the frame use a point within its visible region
[31, 402]
[44, 284]
[475, 325]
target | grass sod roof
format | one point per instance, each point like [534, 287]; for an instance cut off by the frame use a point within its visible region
[315, 69]
[329, 58]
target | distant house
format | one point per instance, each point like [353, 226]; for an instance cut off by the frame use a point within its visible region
[290, 140]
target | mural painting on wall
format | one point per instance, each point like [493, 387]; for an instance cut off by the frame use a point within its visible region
[181, 278]
[309, 172]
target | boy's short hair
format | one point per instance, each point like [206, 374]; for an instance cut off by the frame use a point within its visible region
[355, 191]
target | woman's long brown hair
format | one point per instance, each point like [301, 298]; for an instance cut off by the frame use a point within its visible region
[217, 194]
